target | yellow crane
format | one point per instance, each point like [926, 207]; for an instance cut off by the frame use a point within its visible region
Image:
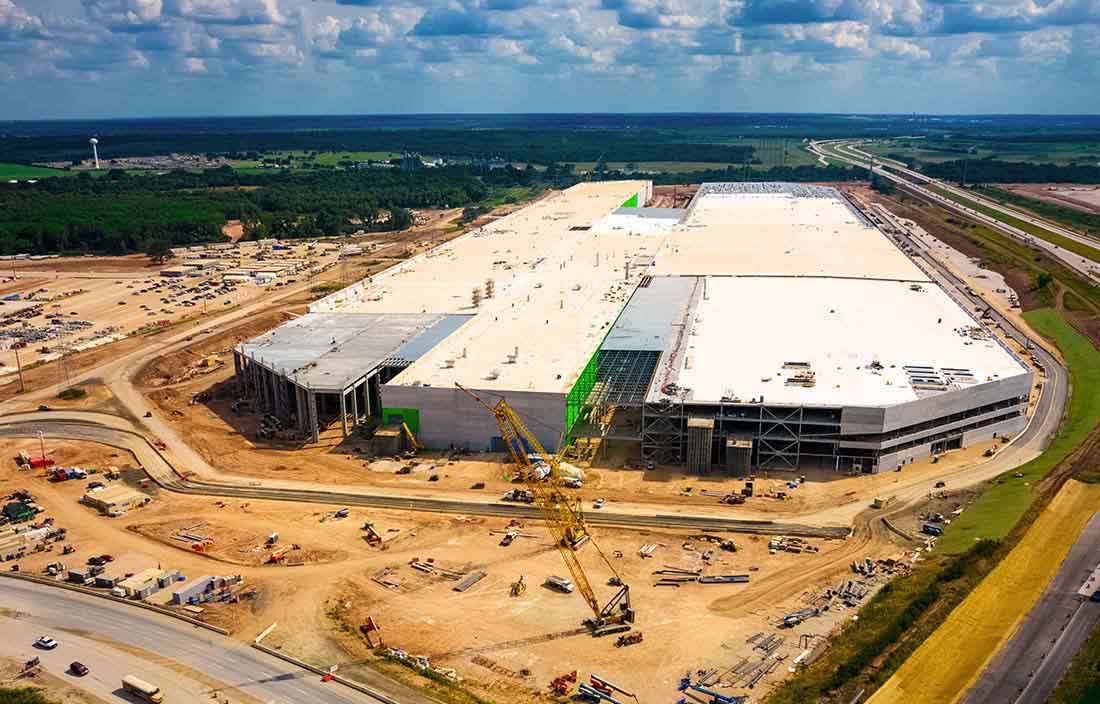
[564, 517]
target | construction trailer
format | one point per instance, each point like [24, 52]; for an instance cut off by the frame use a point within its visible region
[116, 499]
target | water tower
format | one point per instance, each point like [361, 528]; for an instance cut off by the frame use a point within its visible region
[95, 152]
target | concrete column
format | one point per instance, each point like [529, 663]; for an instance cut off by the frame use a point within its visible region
[344, 411]
[303, 412]
[354, 406]
[277, 388]
[311, 404]
[237, 376]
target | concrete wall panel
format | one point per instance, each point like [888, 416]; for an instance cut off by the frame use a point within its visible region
[450, 417]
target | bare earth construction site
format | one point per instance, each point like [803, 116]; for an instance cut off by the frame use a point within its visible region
[765, 354]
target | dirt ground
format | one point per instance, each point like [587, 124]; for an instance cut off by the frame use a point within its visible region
[487, 636]
[1070, 195]
[113, 306]
[677, 196]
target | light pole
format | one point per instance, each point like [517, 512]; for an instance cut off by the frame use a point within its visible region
[42, 447]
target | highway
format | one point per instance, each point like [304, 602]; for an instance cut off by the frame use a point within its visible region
[107, 664]
[1027, 217]
[1027, 668]
[67, 615]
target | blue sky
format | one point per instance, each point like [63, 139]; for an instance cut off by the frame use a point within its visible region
[115, 58]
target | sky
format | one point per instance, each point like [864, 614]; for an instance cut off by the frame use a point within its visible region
[140, 58]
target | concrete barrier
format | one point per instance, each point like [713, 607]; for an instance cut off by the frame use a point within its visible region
[363, 689]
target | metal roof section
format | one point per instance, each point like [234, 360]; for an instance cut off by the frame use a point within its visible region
[330, 351]
[650, 318]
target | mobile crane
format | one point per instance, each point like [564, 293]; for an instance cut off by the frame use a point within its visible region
[564, 517]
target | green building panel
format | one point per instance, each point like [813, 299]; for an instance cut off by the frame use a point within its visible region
[631, 202]
[410, 416]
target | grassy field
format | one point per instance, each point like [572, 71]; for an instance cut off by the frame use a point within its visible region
[999, 507]
[23, 695]
[891, 626]
[1064, 242]
[936, 151]
[297, 159]
[22, 172]
[1067, 217]
[949, 661]
[771, 153]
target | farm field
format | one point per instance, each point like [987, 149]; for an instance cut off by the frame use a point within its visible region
[935, 151]
[22, 171]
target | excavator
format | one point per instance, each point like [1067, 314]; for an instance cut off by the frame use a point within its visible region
[564, 517]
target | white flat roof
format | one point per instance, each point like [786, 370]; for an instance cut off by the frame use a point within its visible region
[557, 287]
[867, 343]
[780, 233]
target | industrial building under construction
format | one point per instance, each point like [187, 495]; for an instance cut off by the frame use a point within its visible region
[766, 325]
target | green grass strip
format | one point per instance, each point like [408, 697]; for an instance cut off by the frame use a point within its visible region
[1001, 505]
[1064, 216]
[21, 172]
[1034, 230]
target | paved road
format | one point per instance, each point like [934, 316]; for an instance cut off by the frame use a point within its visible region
[111, 430]
[107, 665]
[1029, 665]
[267, 679]
[1016, 213]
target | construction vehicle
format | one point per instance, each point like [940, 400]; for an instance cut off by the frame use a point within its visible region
[371, 536]
[629, 639]
[520, 585]
[563, 516]
[415, 444]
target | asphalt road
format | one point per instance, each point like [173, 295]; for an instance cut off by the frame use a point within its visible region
[107, 665]
[1027, 668]
[65, 614]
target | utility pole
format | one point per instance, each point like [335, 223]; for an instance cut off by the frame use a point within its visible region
[42, 446]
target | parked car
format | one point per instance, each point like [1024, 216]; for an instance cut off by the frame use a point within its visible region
[46, 643]
[95, 485]
[79, 669]
[598, 503]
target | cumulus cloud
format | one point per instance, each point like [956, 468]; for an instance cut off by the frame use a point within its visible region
[16, 23]
[646, 43]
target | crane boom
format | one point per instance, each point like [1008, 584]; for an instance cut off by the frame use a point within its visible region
[562, 514]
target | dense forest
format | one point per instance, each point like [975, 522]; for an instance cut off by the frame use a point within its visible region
[120, 213]
[996, 171]
[532, 146]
